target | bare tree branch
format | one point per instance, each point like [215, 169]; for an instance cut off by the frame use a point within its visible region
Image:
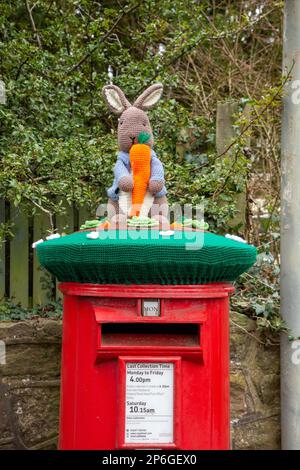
[36, 34]
[103, 38]
[43, 209]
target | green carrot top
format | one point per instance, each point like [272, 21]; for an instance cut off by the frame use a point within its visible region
[143, 137]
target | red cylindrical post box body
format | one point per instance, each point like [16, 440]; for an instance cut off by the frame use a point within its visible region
[145, 367]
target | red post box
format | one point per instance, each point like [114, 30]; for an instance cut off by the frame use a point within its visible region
[145, 367]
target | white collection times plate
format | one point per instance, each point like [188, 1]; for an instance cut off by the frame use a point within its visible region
[149, 407]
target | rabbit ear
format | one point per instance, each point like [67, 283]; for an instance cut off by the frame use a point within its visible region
[115, 98]
[149, 97]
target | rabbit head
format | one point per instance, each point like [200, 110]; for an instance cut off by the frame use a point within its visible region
[133, 118]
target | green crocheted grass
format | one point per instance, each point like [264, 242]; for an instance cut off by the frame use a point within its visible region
[145, 257]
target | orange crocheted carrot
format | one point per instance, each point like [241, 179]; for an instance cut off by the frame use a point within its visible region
[140, 156]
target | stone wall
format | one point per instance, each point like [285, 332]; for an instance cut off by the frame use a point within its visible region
[29, 386]
[254, 387]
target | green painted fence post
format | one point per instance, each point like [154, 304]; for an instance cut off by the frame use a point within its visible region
[225, 134]
[19, 257]
[41, 278]
[65, 223]
[2, 252]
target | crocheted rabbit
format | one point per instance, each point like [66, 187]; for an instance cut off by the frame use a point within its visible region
[133, 121]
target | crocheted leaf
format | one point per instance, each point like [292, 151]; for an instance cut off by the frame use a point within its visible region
[143, 137]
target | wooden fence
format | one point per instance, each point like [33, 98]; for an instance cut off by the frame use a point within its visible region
[22, 278]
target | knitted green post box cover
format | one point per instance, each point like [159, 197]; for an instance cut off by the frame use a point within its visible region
[145, 257]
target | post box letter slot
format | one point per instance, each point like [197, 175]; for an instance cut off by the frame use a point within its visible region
[150, 334]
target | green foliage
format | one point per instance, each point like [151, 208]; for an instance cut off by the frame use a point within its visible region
[257, 295]
[11, 311]
[59, 140]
